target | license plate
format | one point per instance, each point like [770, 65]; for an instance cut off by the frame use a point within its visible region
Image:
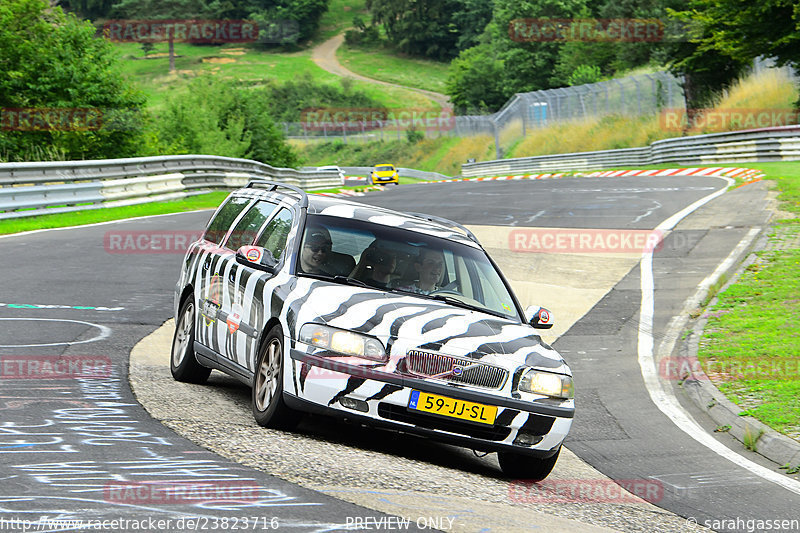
[451, 407]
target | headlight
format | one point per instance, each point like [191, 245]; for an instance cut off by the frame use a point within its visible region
[554, 385]
[342, 341]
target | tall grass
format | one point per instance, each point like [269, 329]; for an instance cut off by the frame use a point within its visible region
[754, 95]
[590, 134]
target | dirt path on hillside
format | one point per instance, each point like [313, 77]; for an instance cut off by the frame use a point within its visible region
[324, 55]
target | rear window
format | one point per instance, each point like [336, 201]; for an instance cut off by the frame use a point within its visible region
[218, 227]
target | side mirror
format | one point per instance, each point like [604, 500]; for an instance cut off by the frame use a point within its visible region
[539, 317]
[256, 257]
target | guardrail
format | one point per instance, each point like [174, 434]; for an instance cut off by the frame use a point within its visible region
[406, 172]
[768, 144]
[28, 189]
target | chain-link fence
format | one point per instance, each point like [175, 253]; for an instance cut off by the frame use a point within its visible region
[634, 95]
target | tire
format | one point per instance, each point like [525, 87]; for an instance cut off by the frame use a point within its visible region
[183, 363]
[519, 466]
[269, 409]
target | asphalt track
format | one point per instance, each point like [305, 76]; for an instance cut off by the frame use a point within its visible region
[617, 428]
[65, 442]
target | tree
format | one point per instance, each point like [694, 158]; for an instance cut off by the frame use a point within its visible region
[162, 10]
[55, 69]
[418, 27]
[727, 36]
[470, 20]
[475, 80]
[515, 45]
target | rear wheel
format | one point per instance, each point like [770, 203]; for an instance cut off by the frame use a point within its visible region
[269, 409]
[519, 466]
[183, 363]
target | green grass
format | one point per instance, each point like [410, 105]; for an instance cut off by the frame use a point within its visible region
[250, 66]
[382, 64]
[751, 343]
[91, 216]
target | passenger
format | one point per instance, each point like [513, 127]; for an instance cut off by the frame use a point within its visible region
[376, 266]
[316, 247]
[430, 270]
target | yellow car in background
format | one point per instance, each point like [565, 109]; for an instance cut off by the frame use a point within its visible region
[384, 173]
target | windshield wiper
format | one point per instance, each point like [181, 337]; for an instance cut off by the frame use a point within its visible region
[344, 280]
[460, 303]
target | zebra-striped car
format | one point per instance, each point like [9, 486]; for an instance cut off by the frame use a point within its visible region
[386, 318]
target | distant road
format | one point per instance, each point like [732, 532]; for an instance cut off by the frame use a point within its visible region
[324, 55]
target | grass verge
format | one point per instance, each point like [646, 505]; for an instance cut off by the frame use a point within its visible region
[244, 64]
[381, 64]
[93, 216]
[751, 344]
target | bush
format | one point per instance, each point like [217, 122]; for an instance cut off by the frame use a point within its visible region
[217, 118]
[54, 67]
[413, 136]
[585, 74]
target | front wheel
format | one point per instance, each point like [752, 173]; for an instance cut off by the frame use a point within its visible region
[269, 409]
[183, 363]
[519, 466]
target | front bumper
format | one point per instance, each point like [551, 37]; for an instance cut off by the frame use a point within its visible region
[385, 179]
[319, 384]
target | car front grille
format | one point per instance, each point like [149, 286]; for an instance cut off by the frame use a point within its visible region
[455, 369]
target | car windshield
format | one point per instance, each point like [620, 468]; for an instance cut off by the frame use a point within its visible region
[398, 260]
[384, 168]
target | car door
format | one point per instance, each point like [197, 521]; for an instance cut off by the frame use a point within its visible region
[207, 279]
[254, 288]
[233, 331]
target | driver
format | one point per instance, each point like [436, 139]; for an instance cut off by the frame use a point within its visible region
[430, 269]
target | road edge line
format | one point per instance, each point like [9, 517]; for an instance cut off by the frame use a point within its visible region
[665, 400]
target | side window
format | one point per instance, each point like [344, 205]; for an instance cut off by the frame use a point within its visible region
[274, 236]
[246, 230]
[225, 216]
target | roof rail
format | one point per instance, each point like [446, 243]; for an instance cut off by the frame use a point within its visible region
[273, 185]
[445, 222]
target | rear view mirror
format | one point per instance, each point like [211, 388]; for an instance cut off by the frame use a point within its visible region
[257, 257]
[539, 317]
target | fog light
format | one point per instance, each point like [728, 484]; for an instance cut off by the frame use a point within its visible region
[355, 405]
[527, 439]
